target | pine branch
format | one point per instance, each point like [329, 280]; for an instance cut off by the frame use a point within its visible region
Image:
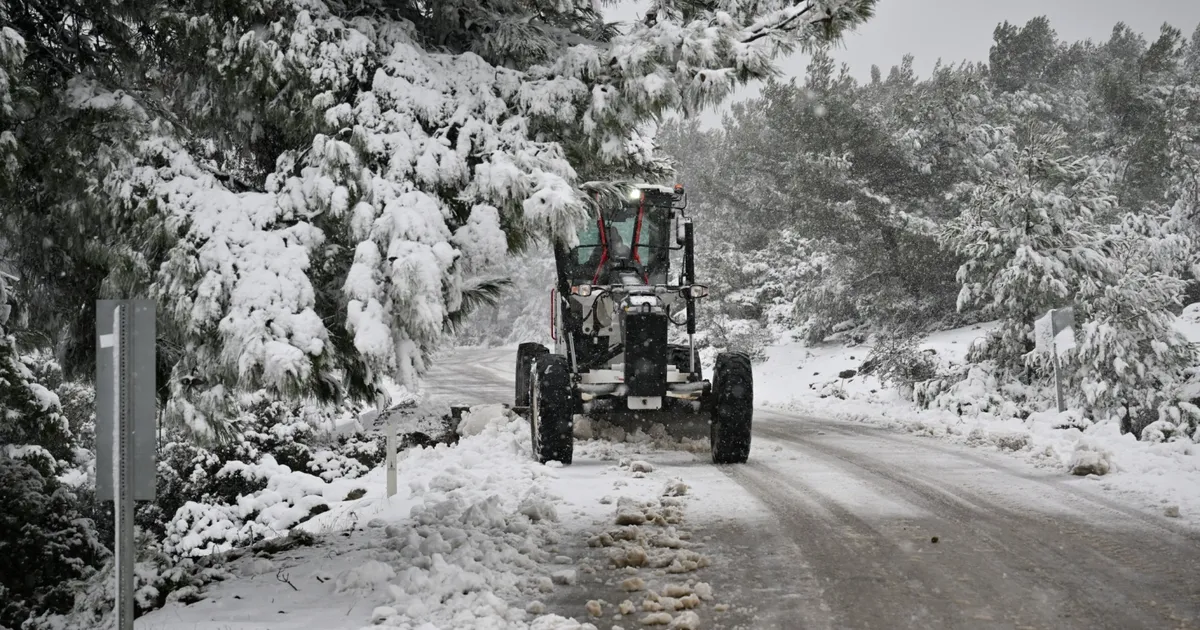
[476, 294]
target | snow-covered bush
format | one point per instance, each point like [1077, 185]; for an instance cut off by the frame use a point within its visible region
[1130, 358]
[970, 390]
[736, 335]
[45, 542]
[272, 473]
[898, 360]
[158, 578]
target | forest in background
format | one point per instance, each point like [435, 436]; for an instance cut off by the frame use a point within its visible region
[1056, 174]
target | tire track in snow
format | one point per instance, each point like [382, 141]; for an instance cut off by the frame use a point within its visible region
[875, 573]
[1064, 565]
[1068, 488]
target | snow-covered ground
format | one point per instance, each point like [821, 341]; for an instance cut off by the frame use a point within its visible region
[649, 534]
[477, 536]
[1163, 477]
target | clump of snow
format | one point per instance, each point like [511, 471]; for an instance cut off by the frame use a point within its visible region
[583, 428]
[1171, 511]
[594, 608]
[566, 577]
[479, 417]
[687, 620]
[675, 488]
[641, 466]
[382, 614]
[538, 509]
[656, 619]
[554, 622]
[257, 566]
[1090, 458]
[370, 576]
[630, 516]
[677, 590]
[633, 584]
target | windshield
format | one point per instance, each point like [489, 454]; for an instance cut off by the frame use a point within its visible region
[631, 234]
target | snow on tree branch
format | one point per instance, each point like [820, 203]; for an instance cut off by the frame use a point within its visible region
[331, 175]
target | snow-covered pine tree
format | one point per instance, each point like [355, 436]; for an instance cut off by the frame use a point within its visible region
[1029, 233]
[1131, 360]
[846, 168]
[1042, 231]
[320, 179]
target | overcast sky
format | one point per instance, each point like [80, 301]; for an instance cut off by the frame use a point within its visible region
[956, 30]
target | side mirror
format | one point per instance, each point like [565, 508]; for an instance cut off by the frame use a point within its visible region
[680, 202]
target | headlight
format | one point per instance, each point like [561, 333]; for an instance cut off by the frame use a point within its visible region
[635, 194]
[582, 290]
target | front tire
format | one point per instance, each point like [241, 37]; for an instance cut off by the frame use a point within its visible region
[527, 353]
[733, 408]
[551, 413]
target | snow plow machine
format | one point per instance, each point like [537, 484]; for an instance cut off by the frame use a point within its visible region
[611, 312]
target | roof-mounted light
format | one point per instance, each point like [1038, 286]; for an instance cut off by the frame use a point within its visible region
[636, 193]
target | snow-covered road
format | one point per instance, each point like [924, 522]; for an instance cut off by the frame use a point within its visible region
[838, 525]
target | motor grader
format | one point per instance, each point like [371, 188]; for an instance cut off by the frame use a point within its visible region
[611, 313]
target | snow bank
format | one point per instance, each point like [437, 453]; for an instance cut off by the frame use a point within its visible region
[469, 541]
[806, 379]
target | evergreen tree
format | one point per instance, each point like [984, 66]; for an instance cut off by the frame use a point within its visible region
[1029, 233]
[309, 202]
[45, 541]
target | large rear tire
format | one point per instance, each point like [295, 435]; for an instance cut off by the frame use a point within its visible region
[550, 415]
[733, 408]
[527, 353]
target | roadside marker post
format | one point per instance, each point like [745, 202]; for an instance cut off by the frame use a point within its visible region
[126, 413]
[1054, 332]
[382, 402]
